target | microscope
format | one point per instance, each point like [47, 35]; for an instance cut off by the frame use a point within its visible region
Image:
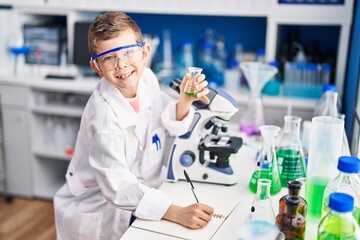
[203, 151]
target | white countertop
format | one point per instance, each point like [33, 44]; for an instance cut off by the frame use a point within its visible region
[243, 164]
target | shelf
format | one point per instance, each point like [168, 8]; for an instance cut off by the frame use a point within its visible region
[49, 153]
[60, 110]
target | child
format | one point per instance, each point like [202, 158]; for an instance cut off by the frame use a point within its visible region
[118, 159]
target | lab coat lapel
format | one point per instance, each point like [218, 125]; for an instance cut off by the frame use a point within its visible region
[127, 117]
[146, 98]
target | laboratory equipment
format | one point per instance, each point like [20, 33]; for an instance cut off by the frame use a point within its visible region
[190, 87]
[339, 222]
[266, 162]
[261, 210]
[327, 104]
[347, 181]
[17, 47]
[203, 151]
[325, 149]
[291, 222]
[294, 190]
[290, 154]
[257, 75]
[259, 231]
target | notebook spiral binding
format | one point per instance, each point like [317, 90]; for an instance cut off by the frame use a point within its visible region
[217, 215]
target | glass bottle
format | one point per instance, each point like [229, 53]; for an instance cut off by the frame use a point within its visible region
[294, 190]
[290, 222]
[348, 182]
[327, 104]
[339, 222]
[266, 162]
[190, 88]
[290, 154]
[262, 212]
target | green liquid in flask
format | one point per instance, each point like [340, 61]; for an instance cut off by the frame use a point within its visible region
[290, 165]
[265, 173]
[191, 94]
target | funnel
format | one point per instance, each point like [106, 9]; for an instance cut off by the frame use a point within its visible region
[257, 75]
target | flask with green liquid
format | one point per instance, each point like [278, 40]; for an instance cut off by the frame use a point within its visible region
[190, 88]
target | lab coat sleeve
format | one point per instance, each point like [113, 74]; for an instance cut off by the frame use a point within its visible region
[174, 127]
[118, 184]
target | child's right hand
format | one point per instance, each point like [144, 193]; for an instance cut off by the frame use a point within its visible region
[194, 216]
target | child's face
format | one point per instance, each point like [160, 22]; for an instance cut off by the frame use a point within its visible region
[117, 67]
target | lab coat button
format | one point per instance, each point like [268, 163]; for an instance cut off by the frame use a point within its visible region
[70, 173]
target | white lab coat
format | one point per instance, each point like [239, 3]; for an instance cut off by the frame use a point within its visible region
[118, 163]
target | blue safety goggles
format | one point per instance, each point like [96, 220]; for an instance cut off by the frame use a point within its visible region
[141, 44]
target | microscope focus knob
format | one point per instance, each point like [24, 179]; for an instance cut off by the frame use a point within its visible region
[187, 158]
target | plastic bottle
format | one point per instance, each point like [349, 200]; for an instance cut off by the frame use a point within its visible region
[327, 104]
[185, 58]
[290, 222]
[290, 154]
[294, 190]
[348, 182]
[339, 222]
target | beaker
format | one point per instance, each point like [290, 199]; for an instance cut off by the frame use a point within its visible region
[190, 88]
[290, 154]
[262, 211]
[325, 149]
[257, 75]
[266, 162]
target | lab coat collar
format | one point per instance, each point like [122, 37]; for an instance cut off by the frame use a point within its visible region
[127, 116]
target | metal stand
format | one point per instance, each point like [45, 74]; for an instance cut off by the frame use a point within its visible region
[8, 196]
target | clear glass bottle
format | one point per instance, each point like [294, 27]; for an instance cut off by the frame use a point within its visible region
[190, 88]
[348, 182]
[327, 104]
[294, 190]
[290, 154]
[291, 222]
[339, 222]
[266, 162]
[262, 212]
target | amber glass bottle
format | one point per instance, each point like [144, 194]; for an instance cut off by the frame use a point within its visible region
[290, 222]
[294, 190]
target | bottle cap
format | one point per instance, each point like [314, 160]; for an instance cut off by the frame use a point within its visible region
[329, 87]
[292, 200]
[294, 184]
[341, 202]
[349, 164]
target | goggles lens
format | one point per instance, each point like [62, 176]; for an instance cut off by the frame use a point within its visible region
[129, 54]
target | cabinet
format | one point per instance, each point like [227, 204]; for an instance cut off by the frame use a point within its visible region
[55, 119]
[16, 139]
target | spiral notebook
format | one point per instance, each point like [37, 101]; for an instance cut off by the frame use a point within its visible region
[223, 199]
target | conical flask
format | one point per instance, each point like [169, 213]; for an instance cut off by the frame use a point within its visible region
[257, 75]
[266, 162]
[290, 154]
[262, 212]
[190, 88]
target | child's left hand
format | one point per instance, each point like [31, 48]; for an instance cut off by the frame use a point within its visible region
[200, 85]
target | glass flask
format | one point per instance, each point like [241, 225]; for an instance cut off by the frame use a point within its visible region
[339, 223]
[257, 75]
[348, 182]
[266, 163]
[291, 222]
[290, 154]
[262, 212]
[190, 88]
[294, 190]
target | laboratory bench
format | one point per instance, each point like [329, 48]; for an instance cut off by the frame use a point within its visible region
[238, 195]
